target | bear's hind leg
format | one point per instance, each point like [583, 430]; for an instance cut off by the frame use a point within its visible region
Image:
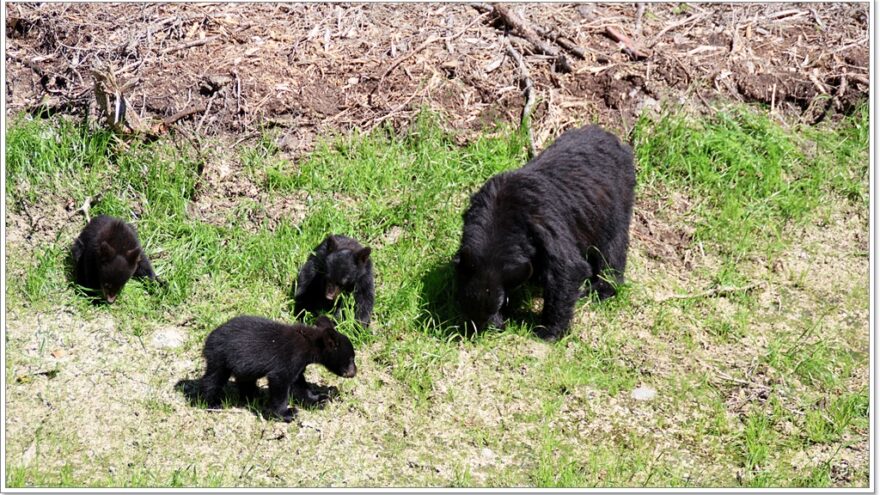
[609, 263]
[212, 384]
[279, 398]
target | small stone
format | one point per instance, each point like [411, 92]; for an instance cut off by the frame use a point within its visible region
[644, 393]
[167, 338]
[29, 454]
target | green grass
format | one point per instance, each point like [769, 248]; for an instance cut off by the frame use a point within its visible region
[750, 177]
[565, 417]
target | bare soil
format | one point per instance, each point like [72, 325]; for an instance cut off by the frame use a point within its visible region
[310, 69]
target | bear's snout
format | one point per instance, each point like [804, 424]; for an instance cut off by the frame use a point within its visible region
[350, 371]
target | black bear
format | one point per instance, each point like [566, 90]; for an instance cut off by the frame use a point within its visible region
[562, 220]
[339, 264]
[249, 348]
[106, 254]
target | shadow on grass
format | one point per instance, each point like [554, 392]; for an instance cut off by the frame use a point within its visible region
[256, 405]
[440, 314]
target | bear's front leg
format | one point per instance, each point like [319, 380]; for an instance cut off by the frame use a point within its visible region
[561, 292]
[363, 300]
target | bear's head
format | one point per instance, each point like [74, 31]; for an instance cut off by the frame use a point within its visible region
[334, 349]
[115, 268]
[483, 286]
[344, 267]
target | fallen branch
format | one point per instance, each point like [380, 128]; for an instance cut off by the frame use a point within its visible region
[190, 44]
[818, 19]
[528, 91]
[860, 79]
[207, 111]
[167, 121]
[640, 11]
[841, 89]
[561, 40]
[678, 24]
[819, 86]
[784, 13]
[162, 127]
[718, 291]
[519, 26]
[431, 39]
[629, 46]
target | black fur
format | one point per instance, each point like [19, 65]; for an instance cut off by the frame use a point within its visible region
[106, 254]
[250, 348]
[561, 220]
[339, 264]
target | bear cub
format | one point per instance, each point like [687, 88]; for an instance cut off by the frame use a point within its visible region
[339, 264]
[250, 348]
[561, 221]
[106, 254]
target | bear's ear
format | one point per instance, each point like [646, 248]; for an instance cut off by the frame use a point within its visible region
[363, 255]
[324, 322]
[327, 341]
[106, 251]
[331, 244]
[133, 256]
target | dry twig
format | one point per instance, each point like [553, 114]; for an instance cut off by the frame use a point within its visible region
[519, 26]
[552, 34]
[528, 91]
[841, 89]
[693, 18]
[628, 45]
[563, 42]
[189, 44]
[717, 291]
[640, 11]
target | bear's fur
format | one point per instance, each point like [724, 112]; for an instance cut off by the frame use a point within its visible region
[106, 254]
[339, 264]
[560, 220]
[249, 348]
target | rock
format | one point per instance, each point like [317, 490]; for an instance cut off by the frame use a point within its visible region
[29, 454]
[168, 338]
[644, 393]
[487, 454]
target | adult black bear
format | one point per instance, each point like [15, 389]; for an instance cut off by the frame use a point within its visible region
[339, 264]
[106, 254]
[562, 219]
[250, 348]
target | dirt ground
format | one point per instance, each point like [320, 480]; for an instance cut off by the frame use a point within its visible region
[312, 69]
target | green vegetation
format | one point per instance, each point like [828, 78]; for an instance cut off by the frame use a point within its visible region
[763, 386]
